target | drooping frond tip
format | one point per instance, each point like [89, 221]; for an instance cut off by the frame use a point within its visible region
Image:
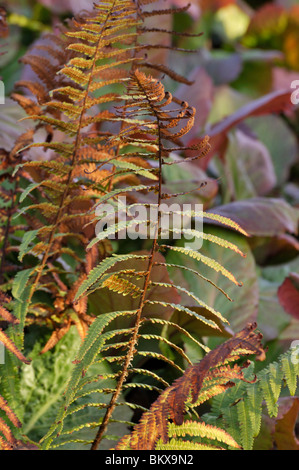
[173, 401]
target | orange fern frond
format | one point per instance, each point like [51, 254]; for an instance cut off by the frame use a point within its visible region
[172, 402]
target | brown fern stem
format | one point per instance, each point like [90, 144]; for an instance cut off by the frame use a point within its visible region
[134, 338]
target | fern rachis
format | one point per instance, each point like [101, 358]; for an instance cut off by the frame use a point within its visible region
[120, 127]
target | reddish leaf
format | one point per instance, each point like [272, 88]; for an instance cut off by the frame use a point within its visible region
[279, 432]
[284, 434]
[215, 5]
[288, 295]
[275, 250]
[273, 102]
[261, 216]
[267, 18]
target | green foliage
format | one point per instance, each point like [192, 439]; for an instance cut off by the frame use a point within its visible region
[241, 408]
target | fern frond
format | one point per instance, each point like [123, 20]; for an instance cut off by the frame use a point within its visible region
[290, 372]
[198, 429]
[207, 236]
[171, 404]
[244, 419]
[213, 264]
[86, 356]
[176, 444]
[95, 275]
[182, 308]
[122, 286]
[194, 297]
[183, 331]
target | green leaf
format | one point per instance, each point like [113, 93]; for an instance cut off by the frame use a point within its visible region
[28, 190]
[246, 425]
[28, 237]
[135, 168]
[20, 282]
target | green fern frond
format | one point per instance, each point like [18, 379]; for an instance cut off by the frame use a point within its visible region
[95, 275]
[213, 264]
[182, 308]
[199, 429]
[176, 444]
[244, 420]
[86, 356]
[194, 297]
[289, 367]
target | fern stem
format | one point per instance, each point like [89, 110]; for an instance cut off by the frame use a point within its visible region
[134, 339]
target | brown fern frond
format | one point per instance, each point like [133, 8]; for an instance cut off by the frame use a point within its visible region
[56, 336]
[7, 316]
[4, 313]
[8, 441]
[9, 344]
[166, 11]
[83, 60]
[9, 412]
[172, 403]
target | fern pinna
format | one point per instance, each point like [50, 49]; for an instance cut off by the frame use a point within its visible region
[110, 129]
